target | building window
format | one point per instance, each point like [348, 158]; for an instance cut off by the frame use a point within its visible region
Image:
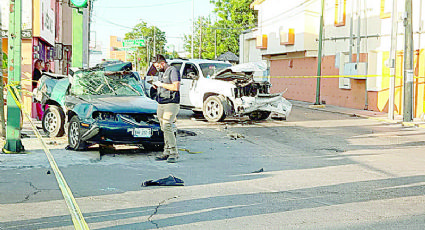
[262, 41]
[385, 9]
[340, 8]
[287, 38]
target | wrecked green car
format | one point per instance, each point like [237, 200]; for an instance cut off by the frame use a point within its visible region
[99, 107]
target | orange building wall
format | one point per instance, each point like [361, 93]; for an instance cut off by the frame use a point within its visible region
[304, 89]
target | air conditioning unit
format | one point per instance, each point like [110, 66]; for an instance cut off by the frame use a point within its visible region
[355, 70]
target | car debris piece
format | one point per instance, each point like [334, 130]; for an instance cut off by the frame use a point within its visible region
[258, 171]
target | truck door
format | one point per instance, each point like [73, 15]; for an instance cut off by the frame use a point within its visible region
[190, 73]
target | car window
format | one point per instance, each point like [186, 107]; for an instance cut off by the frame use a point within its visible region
[103, 83]
[189, 68]
[209, 69]
[178, 65]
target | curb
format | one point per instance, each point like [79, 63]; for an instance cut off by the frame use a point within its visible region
[323, 108]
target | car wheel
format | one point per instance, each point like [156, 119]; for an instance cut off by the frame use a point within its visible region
[74, 135]
[213, 109]
[53, 121]
[259, 115]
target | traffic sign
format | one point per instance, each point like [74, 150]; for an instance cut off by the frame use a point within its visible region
[134, 42]
[127, 48]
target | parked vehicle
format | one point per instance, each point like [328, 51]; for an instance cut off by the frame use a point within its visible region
[100, 107]
[218, 89]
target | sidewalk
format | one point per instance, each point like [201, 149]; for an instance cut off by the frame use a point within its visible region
[381, 116]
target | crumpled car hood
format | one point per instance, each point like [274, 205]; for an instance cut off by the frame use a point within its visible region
[124, 104]
[242, 71]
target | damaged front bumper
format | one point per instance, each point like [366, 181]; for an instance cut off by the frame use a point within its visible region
[274, 103]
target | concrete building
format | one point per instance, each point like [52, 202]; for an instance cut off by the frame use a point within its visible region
[115, 43]
[287, 37]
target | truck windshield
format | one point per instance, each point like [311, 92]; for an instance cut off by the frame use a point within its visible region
[106, 83]
[209, 69]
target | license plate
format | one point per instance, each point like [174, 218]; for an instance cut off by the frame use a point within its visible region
[142, 132]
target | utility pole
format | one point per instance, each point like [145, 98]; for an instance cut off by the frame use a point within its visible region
[319, 57]
[200, 40]
[2, 128]
[392, 60]
[193, 24]
[154, 45]
[408, 64]
[215, 46]
[13, 129]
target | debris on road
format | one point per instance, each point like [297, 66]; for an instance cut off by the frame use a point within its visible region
[234, 136]
[168, 181]
[259, 171]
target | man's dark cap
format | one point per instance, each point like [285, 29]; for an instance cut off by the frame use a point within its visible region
[158, 58]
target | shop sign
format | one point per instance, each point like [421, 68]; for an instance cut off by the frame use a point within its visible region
[47, 21]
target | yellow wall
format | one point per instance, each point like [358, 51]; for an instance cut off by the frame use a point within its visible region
[419, 84]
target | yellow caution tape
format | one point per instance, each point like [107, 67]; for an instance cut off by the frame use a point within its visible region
[76, 215]
[188, 151]
[339, 76]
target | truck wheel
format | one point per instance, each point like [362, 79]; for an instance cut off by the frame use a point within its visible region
[53, 121]
[74, 135]
[259, 115]
[213, 109]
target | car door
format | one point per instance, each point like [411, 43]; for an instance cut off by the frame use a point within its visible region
[189, 74]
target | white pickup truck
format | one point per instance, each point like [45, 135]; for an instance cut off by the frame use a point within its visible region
[218, 89]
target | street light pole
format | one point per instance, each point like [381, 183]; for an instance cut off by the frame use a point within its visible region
[13, 128]
[408, 64]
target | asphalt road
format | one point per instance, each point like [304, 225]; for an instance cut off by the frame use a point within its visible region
[321, 170]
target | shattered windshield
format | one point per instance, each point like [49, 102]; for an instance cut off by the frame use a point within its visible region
[106, 83]
[209, 69]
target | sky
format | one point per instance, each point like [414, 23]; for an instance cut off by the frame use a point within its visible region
[174, 17]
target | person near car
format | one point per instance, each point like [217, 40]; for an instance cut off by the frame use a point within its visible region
[47, 67]
[36, 75]
[168, 98]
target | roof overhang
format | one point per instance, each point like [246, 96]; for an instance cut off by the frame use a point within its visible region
[255, 3]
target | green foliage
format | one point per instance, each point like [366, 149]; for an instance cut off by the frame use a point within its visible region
[142, 30]
[234, 16]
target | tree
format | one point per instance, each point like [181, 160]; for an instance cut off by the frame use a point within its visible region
[234, 16]
[203, 42]
[143, 54]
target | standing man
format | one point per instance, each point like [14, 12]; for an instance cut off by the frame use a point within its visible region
[168, 98]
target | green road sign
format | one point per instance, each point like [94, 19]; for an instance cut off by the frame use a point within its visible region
[134, 42]
[127, 48]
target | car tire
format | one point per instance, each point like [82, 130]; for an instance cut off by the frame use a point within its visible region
[213, 109]
[75, 134]
[259, 115]
[53, 121]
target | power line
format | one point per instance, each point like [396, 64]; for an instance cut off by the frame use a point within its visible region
[145, 6]
[113, 23]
